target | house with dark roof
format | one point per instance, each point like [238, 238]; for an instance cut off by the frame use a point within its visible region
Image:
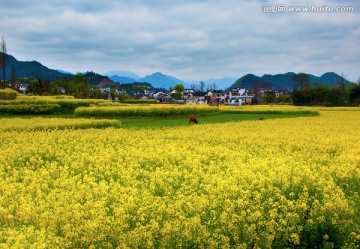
[219, 94]
[239, 96]
[200, 97]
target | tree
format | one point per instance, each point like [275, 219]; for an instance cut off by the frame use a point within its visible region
[33, 87]
[55, 88]
[256, 91]
[40, 86]
[213, 101]
[113, 93]
[354, 94]
[268, 97]
[267, 86]
[81, 85]
[13, 77]
[202, 85]
[179, 89]
[300, 81]
[3, 52]
[214, 86]
[123, 96]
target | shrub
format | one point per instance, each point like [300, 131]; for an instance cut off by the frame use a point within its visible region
[30, 109]
[8, 94]
[67, 105]
[41, 123]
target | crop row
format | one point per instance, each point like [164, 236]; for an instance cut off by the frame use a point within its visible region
[42, 105]
[32, 124]
[144, 111]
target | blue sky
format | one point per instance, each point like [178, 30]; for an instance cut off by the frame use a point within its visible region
[191, 40]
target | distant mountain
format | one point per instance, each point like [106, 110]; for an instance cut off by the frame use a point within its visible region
[122, 79]
[31, 69]
[64, 72]
[285, 81]
[126, 74]
[159, 80]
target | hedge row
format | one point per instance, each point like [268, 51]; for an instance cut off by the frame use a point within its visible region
[40, 123]
[30, 109]
[66, 105]
[143, 111]
[8, 94]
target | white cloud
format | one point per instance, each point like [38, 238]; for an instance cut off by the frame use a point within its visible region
[188, 39]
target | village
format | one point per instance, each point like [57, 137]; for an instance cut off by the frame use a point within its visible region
[235, 96]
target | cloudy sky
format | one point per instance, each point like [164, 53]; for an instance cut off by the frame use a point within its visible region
[188, 39]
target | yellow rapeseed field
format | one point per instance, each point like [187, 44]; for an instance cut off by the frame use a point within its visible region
[280, 183]
[31, 124]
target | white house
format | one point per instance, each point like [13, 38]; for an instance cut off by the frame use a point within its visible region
[188, 93]
[22, 87]
[200, 97]
[240, 96]
[219, 94]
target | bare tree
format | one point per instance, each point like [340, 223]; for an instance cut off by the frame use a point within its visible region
[256, 90]
[214, 86]
[341, 81]
[13, 77]
[300, 80]
[267, 86]
[3, 52]
[202, 85]
[192, 86]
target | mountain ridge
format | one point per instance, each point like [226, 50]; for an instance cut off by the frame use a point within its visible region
[34, 69]
[285, 81]
[31, 69]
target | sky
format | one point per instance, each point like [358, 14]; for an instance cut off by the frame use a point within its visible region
[188, 39]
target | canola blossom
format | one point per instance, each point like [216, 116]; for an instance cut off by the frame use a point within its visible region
[280, 183]
[30, 124]
[144, 110]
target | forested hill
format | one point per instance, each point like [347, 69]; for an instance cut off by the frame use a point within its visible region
[285, 81]
[31, 69]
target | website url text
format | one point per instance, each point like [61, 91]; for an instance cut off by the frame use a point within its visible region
[282, 8]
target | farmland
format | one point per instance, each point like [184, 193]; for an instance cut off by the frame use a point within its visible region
[278, 183]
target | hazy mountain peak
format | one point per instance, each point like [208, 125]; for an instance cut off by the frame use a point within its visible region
[127, 74]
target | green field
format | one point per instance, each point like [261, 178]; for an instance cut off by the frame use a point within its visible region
[137, 123]
[69, 120]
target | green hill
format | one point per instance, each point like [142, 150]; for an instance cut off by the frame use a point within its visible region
[31, 69]
[285, 81]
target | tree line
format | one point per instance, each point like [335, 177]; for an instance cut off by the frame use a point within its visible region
[327, 96]
[78, 87]
[338, 95]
